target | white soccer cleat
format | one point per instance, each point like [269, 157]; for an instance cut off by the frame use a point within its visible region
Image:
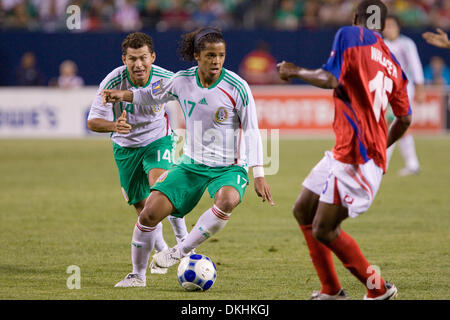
[131, 280]
[154, 269]
[390, 294]
[408, 172]
[167, 258]
[341, 295]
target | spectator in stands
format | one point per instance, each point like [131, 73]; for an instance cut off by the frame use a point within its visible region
[259, 66]
[437, 72]
[203, 15]
[410, 13]
[68, 78]
[150, 13]
[52, 13]
[28, 74]
[287, 16]
[440, 15]
[336, 12]
[311, 14]
[210, 13]
[175, 16]
[127, 17]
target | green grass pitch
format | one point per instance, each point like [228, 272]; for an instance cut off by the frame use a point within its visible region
[61, 205]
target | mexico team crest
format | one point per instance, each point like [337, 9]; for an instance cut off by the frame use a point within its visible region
[221, 114]
[156, 108]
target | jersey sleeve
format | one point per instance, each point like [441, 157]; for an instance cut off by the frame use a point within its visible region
[98, 109]
[335, 61]
[249, 122]
[159, 92]
[399, 99]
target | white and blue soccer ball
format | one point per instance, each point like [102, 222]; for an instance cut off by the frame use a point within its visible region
[196, 272]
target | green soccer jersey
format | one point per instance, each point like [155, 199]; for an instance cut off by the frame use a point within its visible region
[149, 122]
[221, 121]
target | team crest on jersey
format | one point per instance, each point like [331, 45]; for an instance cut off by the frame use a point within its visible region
[162, 177]
[221, 114]
[156, 86]
[348, 199]
[156, 108]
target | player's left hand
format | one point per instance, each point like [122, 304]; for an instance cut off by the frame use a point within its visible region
[286, 70]
[263, 190]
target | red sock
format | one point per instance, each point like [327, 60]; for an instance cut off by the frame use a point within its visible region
[348, 251]
[322, 260]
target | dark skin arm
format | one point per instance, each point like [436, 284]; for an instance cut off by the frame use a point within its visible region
[318, 77]
[398, 128]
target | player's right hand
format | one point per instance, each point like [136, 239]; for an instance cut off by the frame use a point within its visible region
[121, 124]
[286, 70]
[112, 96]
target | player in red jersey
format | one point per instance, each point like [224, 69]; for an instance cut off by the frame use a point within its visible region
[365, 76]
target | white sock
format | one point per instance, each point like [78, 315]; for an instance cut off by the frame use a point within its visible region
[160, 243]
[210, 222]
[389, 153]
[179, 227]
[408, 150]
[143, 241]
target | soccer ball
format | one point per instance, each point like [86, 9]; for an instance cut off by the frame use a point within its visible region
[196, 272]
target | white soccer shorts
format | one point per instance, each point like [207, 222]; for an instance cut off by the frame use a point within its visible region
[348, 185]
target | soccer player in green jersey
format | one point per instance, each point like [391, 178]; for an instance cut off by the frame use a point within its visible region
[222, 141]
[142, 144]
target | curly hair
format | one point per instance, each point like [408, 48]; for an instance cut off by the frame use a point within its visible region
[195, 42]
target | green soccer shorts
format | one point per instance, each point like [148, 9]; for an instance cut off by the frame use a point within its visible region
[135, 163]
[185, 183]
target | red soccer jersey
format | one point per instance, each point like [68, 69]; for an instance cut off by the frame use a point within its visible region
[369, 78]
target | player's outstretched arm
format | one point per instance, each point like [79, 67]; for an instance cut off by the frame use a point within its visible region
[319, 77]
[116, 96]
[439, 39]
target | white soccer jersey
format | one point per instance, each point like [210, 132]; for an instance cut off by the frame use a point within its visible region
[405, 50]
[148, 123]
[221, 122]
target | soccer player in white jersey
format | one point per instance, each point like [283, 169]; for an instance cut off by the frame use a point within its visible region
[142, 144]
[222, 141]
[405, 50]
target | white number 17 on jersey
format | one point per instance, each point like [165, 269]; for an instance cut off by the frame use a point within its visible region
[380, 84]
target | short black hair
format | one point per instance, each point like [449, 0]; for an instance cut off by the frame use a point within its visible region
[137, 40]
[364, 14]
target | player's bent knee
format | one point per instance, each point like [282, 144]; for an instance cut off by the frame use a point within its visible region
[322, 234]
[226, 199]
[157, 207]
[302, 212]
[226, 205]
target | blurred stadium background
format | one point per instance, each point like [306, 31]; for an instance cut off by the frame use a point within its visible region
[54, 190]
[36, 44]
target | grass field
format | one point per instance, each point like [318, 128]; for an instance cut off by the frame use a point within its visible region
[61, 205]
